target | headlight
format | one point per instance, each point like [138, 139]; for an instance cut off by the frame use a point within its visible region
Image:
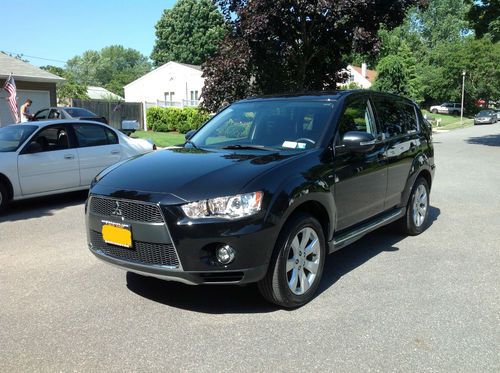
[232, 207]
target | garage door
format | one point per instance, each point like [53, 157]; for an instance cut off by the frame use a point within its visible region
[41, 99]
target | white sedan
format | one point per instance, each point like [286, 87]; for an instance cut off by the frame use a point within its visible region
[42, 158]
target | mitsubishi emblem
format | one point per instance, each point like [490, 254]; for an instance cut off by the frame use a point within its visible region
[117, 211]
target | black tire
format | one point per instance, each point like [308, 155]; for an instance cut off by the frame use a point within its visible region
[4, 197]
[434, 111]
[408, 223]
[274, 286]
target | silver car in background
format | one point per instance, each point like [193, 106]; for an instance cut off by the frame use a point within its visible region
[49, 157]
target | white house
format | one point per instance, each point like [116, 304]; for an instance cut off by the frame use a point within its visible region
[172, 84]
[100, 93]
[361, 76]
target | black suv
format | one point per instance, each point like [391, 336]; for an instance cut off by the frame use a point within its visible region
[265, 190]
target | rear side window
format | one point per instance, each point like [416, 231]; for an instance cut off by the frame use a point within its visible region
[396, 117]
[94, 135]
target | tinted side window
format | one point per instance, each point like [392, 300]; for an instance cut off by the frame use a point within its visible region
[396, 117]
[52, 138]
[357, 117]
[42, 114]
[90, 135]
[112, 137]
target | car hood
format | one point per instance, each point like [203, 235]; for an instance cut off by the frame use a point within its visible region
[192, 174]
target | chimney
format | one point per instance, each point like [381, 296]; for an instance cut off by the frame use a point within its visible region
[363, 70]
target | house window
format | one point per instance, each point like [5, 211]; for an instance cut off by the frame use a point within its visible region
[169, 96]
[351, 77]
[194, 95]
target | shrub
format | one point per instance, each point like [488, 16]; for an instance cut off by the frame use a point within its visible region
[175, 119]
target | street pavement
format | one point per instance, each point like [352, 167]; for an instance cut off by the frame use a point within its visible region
[386, 303]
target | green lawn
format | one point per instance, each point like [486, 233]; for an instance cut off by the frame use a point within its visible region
[161, 139]
[448, 122]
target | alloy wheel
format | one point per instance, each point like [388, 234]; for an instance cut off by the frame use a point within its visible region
[420, 205]
[303, 261]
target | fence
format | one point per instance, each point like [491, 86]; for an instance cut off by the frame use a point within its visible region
[179, 104]
[114, 112]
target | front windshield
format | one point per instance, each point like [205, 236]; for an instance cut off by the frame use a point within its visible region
[485, 113]
[276, 124]
[77, 112]
[12, 137]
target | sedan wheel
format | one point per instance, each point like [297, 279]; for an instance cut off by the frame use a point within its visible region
[3, 197]
[297, 263]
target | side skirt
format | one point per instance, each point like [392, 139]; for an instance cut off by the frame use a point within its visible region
[356, 233]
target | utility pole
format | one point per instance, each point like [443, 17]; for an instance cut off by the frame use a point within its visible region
[462, 107]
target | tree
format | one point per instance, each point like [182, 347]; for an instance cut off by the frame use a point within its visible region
[112, 67]
[188, 33]
[68, 89]
[292, 45]
[484, 17]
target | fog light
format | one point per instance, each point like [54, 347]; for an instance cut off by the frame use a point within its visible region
[225, 254]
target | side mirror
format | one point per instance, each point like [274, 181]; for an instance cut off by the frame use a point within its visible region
[358, 141]
[189, 134]
[34, 147]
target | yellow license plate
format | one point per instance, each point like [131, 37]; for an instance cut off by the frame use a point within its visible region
[117, 234]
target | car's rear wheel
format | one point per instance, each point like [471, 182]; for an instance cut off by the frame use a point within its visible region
[4, 197]
[297, 263]
[434, 111]
[417, 210]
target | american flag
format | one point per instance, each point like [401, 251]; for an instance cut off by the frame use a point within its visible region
[10, 87]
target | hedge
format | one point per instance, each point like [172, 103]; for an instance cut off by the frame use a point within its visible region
[175, 119]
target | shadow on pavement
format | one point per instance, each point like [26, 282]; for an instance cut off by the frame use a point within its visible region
[226, 299]
[489, 140]
[42, 206]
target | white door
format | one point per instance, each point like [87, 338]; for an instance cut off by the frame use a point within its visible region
[49, 164]
[98, 148]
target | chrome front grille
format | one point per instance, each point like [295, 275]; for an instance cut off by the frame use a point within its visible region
[142, 252]
[135, 211]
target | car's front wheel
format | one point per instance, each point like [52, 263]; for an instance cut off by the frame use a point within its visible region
[297, 263]
[434, 111]
[417, 211]
[4, 197]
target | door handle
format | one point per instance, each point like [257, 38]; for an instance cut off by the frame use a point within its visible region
[115, 152]
[69, 156]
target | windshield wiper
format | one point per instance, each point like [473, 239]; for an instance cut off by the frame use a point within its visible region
[248, 146]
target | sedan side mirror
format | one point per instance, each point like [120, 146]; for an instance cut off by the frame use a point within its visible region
[358, 141]
[189, 134]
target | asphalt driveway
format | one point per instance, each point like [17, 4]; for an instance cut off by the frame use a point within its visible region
[386, 303]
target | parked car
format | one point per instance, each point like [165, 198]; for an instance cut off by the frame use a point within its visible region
[497, 112]
[41, 158]
[446, 108]
[265, 190]
[78, 113]
[485, 116]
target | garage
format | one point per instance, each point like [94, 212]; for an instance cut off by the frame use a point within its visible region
[31, 82]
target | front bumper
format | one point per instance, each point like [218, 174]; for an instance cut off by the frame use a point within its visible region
[181, 250]
[243, 276]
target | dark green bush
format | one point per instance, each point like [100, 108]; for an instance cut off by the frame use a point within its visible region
[175, 119]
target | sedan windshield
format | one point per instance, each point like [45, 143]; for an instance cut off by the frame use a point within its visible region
[264, 125]
[484, 113]
[12, 137]
[78, 112]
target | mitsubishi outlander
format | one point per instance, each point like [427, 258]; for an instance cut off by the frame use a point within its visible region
[264, 190]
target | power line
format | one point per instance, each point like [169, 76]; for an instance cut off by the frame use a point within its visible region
[38, 58]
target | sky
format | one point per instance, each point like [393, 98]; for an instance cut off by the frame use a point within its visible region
[60, 30]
